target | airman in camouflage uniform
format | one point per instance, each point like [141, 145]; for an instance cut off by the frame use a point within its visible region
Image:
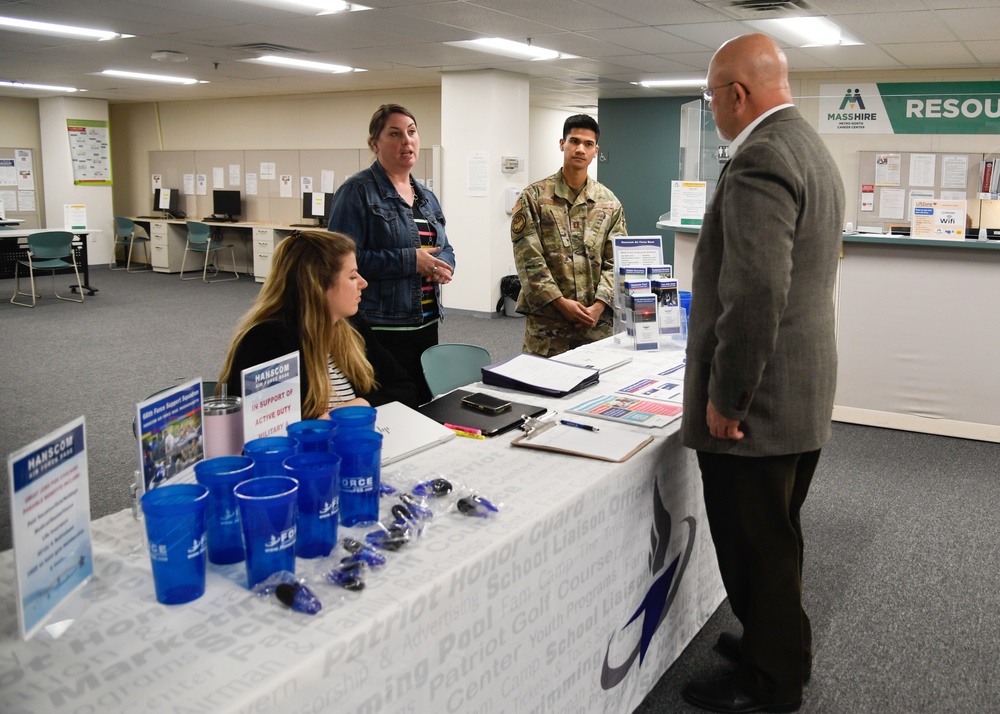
[564, 250]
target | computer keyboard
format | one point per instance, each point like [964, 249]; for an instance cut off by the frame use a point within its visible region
[305, 225]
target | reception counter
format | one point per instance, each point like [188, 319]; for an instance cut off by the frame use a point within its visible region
[917, 332]
[588, 585]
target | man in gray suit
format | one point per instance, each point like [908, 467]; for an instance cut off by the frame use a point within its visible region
[761, 366]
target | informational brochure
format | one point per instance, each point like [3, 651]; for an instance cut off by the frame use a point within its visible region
[631, 252]
[271, 397]
[675, 372]
[602, 360]
[50, 521]
[170, 435]
[629, 410]
[664, 390]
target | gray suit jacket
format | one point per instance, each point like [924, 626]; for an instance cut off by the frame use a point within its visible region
[761, 339]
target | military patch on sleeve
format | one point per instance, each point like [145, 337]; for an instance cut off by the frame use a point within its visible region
[518, 222]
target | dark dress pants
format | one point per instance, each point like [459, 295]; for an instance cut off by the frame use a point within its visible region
[753, 506]
[407, 346]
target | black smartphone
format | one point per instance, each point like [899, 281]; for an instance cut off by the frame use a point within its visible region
[485, 403]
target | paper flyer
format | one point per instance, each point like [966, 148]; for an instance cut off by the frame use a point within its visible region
[170, 434]
[938, 220]
[687, 202]
[271, 397]
[664, 390]
[50, 521]
[628, 410]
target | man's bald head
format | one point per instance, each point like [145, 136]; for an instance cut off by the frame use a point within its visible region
[757, 70]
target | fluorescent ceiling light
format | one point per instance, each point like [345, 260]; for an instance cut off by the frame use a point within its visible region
[48, 28]
[46, 87]
[151, 77]
[306, 64]
[320, 7]
[806, 31]
[672, 83]
[509, 48]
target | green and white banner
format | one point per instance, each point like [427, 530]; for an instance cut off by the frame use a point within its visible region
[910, 108]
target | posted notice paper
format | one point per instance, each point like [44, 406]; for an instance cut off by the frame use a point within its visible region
[50, 519]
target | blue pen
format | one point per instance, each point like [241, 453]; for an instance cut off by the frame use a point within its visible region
[588, 427]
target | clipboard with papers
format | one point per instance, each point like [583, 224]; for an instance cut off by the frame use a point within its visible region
[531, 373]
[610, 444]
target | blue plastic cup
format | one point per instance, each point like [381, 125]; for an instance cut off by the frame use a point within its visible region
[355, 418]
[220, 476]
[175, 528]
[268, 452]
[313, 434]
[360, 455]
[316, 526]
[267, 516]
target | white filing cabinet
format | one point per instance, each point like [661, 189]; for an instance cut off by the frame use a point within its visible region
[265, 240]
[167, 241]
[263, 247]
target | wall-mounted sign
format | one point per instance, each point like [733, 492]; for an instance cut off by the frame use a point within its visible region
[910, 108]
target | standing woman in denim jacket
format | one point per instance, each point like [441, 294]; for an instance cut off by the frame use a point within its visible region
[403, 250]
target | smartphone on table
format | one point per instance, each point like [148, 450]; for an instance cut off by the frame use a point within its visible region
[485, 403]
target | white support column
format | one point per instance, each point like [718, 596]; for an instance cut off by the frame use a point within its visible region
[483, 112]
[57, 173]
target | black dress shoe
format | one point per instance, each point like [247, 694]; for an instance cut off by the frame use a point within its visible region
[727, 696]
[729, 647]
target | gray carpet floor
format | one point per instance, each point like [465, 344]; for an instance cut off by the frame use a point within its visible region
[902, 558]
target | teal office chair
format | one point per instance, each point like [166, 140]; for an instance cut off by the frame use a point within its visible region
[449, 366]
[199, 240]
[46, 251]
[125, 236]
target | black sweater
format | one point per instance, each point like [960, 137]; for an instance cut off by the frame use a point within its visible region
[273, 339]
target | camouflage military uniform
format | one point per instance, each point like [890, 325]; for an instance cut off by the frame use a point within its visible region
[563, 247]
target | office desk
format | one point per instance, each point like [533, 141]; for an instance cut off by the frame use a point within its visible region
[168, 237]
[14, 247]
[526, 613]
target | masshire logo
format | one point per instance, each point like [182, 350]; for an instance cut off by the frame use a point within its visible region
[852, 98]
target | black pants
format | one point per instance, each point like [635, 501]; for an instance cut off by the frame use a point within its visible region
[407, 346]
[753, 507]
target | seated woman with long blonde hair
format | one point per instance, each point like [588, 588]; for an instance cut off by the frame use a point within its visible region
[309, 303]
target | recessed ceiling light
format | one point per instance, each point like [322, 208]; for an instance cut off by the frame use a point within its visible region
[152, 77]
[806, 31]
[306, 64]
[48, 28]
[671, 83]
[509, 48]
[46, 87]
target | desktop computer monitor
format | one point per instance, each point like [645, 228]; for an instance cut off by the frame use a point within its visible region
[226, 203]
[165, 200]
[311, 207]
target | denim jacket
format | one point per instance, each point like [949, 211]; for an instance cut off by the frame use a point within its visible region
[370, 210]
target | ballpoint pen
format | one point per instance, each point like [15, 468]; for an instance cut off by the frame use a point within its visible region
[467, 435]
[588, 427]
[466, 429]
